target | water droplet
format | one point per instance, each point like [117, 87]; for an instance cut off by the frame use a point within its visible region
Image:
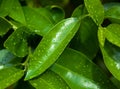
[34, 84]
[1, 66]
[14, 43]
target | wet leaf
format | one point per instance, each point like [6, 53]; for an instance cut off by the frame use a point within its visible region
[96, 10]
[112, 12]
[17, 13]
[112, 34]
[17, 42]
[37, 22]
[79, 72]
[87, 34]
[58, 38]
[4, 26]
[101, 35]
[10, 75]
[49, 80]
[6, 7]
[111, 55]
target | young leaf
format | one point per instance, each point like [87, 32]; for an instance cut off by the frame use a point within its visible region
[49, 80]
[4, 26]
[79, 72]
[10, 75]
[17, 42]
[36, 21]
[111, 55]
[112, 34]
[6, 7]
[17, 12]
[96, 10]
[87, 34]
[51, 46]
[101, 35]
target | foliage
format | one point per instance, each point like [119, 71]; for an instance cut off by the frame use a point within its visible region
[58, 44]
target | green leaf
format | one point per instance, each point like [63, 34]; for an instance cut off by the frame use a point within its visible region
[61, 3]
[36, 21]
[17, 42]
[4, 26]
[113, 14]
[17, 12]
[87, 34]
[101, 35]
[49, 80]
[46, 13]
[6, 7]
[111, 55]
[74, 80]
[79, 11]
[112, 34]
[57, 13]
[109, 5]
[10, 75]
[115, 82]
[96, 10]
[79, 72]
[51, 46]
[7, 59]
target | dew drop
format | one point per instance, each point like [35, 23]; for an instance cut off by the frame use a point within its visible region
[1, 66]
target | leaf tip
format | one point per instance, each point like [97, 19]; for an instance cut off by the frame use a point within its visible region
[29, 75]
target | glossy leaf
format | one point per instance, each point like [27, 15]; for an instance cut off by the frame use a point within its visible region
[101, 35]
[5, 57]
[36, 21]
[17, 12]
[74, 80]
[109, 5]
[58, 38]
[49, 80]
[112, 33]
[79, 72]
[87, 34]
[10, 75]
[96, 10]
[111, 55]
[6, 7]
[17, 42]
[112, 12]
[4, 26]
